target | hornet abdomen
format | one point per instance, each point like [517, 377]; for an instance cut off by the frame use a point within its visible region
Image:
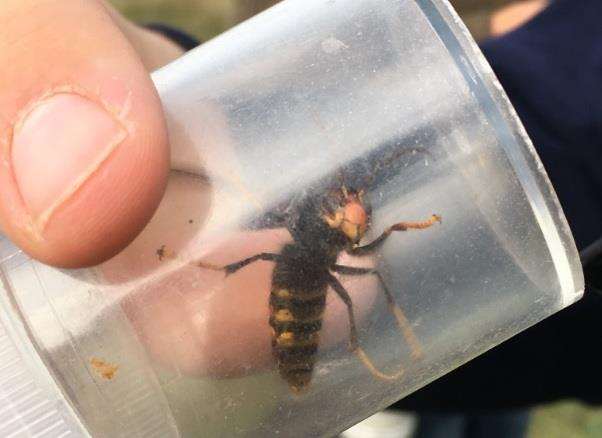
[297, 303]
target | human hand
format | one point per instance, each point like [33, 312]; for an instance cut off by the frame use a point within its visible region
[86, 160]
[512, 16]
[83, 142]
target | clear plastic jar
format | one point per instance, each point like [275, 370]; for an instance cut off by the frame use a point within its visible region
[391, 98]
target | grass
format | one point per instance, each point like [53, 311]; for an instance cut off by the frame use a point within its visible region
[567, 419]
[201, 18]
[207, 18]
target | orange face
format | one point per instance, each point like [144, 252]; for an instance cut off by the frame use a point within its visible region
[350, 217]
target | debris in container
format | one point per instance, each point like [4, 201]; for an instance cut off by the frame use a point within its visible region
[164, 253]
[105, 369]
[161, 253]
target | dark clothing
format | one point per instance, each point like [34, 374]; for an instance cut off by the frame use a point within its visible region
[552, 71]
[185, 41]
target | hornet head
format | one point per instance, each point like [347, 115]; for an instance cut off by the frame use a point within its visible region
[346, 211]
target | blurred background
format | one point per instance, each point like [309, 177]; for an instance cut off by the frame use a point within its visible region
[207, 18]
[484, 18]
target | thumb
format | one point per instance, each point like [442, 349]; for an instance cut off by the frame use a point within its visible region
[83, 147]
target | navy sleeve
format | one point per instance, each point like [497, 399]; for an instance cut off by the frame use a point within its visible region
[182, 39]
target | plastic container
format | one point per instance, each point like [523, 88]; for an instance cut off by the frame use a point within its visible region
[387, 96]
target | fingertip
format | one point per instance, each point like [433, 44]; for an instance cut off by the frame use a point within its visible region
[83, 180]
[83, 147]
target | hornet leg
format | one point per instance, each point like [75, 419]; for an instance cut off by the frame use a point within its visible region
[353, 339]
[233, 267]
[402, 321]
[401, 226]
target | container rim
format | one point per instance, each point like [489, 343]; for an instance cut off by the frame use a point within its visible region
[530, 172]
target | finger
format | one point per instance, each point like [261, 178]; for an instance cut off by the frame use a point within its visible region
[513, 16]
[195, 320]
[82, 139]
[202, 323]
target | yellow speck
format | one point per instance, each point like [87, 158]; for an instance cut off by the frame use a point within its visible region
[283, 293]
[284, 315]
[286, 338]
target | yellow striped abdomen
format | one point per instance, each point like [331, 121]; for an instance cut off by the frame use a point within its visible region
[296, 319]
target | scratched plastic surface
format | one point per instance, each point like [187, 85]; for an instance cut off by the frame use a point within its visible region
[394, 96]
